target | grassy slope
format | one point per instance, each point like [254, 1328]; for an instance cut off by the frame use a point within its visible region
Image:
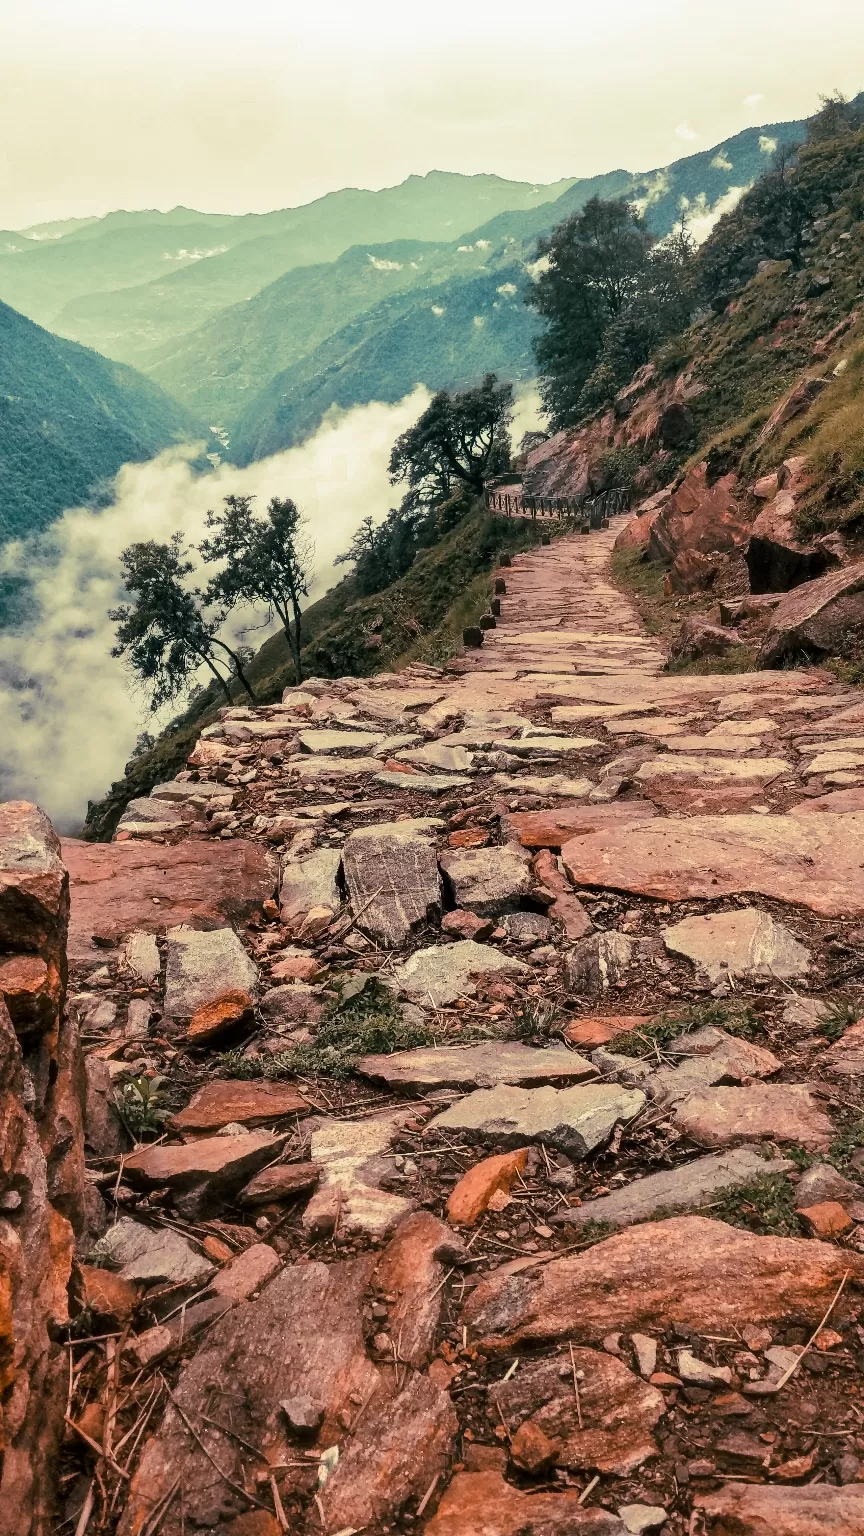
[68, 418]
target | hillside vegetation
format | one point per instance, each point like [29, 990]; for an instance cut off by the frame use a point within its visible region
[68, 419]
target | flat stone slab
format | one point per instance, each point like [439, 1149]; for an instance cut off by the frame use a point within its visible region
[705, 1057]
[743, 943]
[308, 883]
[352, 1157]
[814, 1510]
[812, 861]
[141, 955]
[421, 783]
[576, 1120]
[117, 888]
[486, 880]
[845, 1058]
[234, 1101]
[140, 1253]
[220, 1162]
[718, 1117]
[555, 827]
[557, 786]
[319, 743]
[334, 767]
[476, 1503]
[611, 1430]
[202, 966]
[477, 1066]
[706, 1275]
[758, 770]
[391, 872]
[438, 975]
[676, 1189]
[437, 754]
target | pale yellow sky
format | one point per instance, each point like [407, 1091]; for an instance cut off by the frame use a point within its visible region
[239, 105]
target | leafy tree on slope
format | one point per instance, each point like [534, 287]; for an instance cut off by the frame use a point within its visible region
[459, 440]
[595, 262]
[165, 632]
[266, 560]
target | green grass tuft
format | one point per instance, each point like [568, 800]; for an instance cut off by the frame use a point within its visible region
[736, 1018]
[766, 1206]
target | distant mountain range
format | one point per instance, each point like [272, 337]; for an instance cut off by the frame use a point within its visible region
[258, 324]
[68, 420]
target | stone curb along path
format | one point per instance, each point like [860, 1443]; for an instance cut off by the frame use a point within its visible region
[584, 942]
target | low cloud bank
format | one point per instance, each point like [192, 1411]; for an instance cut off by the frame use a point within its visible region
[69, 714]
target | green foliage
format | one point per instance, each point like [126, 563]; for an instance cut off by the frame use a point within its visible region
[458, 441]
[265, 560]
[595, 262]
[847, 1142]
[841, 1012]
[735, 1018]
[165, 632]
[766, 1206]
[537, 1021]
[141, 1107]
[365, 1023]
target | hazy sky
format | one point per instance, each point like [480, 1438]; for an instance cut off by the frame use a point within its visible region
[255, 104]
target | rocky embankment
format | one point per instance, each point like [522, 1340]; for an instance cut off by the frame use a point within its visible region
[489, 1043]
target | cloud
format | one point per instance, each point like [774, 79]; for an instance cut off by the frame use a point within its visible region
[439, 310]
[508, 289]
[754, 100]
[68, 714]
[721, 161]
[702, 215]
[685, 132]
[381, 265]
[654, 188]
[767, 144]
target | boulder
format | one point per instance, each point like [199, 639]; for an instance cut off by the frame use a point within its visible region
[598, 962]
[798, 400]
[353, 1160]
[742, 943]
[283, 1181]
[392, 876]
[692, 572]
[120, 888]
[439, 975]
[141, 957]
[635, 535]
[104, 1133]
[477, 1503]
[245, 1273]
[201, 1171]
[486, 880]
[219, 1017]
[705, 1057]
[706, 1275]
[819, 618]
[575, 1120]
[815, 1510]
[845, 1058]
[684, 1188]
[150, 1256]
[308, 883]
[777, 559]
[697, 638]
[699, 517]
[202, 967]
[470, 1197]
[409, 1274]
[610, 1432]
[719, 1117]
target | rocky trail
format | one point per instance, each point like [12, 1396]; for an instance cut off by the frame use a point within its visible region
[469, 1135]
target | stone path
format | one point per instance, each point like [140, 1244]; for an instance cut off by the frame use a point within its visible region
[510, 1140]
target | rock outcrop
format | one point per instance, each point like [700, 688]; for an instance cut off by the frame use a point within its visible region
[42, 1192]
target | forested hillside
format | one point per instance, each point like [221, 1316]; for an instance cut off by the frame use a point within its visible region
[69, 417]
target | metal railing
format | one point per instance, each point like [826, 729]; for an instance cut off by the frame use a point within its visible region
[586, 509]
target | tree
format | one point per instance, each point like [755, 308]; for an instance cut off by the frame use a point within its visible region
[459, 440]
[165, 632]
[593, 263]
[266, 560]
[768, 224]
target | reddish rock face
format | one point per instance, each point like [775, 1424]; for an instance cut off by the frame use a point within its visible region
[106, 1295]
[816, 1510]
[213, 1019]
[471, 1196]
[776, 559]
[120, 887]
[817, 618]
[636, 535]
[34, 885]
[707, 1275]
[247, 1103]
[700, 518]
[553, 828]
[32, 991]
[477, 1503]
